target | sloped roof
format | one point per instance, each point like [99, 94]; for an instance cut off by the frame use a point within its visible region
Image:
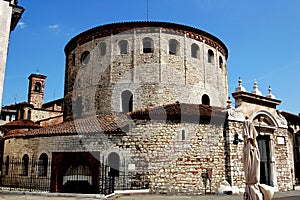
[93, 124]
[119, 122]
[182, 112]
[16, 124]
[295, 119]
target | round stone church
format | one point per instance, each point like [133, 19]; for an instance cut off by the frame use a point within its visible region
[146, 107]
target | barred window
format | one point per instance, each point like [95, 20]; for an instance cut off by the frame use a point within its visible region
[25, 165]
[43, 165]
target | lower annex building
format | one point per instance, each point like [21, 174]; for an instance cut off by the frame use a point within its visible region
[146, 106]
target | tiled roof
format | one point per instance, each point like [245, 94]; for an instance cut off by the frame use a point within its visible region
[24, 104]
[291, 117]
[16, 124]
[182, 112]
[93, 124]
[119, 122]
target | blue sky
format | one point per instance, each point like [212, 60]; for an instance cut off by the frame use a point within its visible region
[263, 39]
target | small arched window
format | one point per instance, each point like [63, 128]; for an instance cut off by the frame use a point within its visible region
[43, 165]
[127, 101]
[25, 165]
[183, 135]
[37, 87]
[173, 47]
[114, 164]
[102, 48]
[210, 56]
[85, 57]
[123, 47]
[205, 99]
[148, 46]
[195, 51]
[7, 165]
[220, 62]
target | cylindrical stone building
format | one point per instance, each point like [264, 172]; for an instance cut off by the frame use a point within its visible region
[122, 67]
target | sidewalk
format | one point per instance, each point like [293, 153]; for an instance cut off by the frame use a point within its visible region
[277, 195]
[6, 195]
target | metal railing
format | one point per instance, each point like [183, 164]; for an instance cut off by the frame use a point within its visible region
[36, 176]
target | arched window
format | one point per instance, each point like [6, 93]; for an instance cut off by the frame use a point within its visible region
[127, 101]
[173, 47]
[43, 165]
[205, 100]
[102, 48]
[123, 47]
[85, 57]
[148, 46]
[220, 62]
[25, 165]
[114, 164]
[195, 51]
[210, 56]
[183, 135]
[7, 165]
[37, 87]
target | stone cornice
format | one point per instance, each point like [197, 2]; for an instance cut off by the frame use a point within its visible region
[256, 99]
[148, 27]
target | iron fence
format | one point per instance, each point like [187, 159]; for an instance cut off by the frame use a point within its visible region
[32, 175]
[26, 175]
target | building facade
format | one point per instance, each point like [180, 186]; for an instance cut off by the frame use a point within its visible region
[146, 106]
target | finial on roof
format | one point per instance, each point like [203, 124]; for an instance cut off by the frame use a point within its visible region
[256, 90]
[240, 88]
[229, 106]
[270, 95]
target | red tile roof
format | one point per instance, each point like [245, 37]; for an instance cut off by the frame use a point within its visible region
[182, 112]
[18, 124]
[93, 124]
[119, 122]
[291, 117]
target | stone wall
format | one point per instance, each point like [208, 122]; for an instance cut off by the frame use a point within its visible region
[155, 78]
[39, 114]
[234, 155]
[284, 160]
[169, 156]
[281, 167]
[173, 163]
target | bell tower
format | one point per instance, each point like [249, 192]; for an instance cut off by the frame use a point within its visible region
[36, 90]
